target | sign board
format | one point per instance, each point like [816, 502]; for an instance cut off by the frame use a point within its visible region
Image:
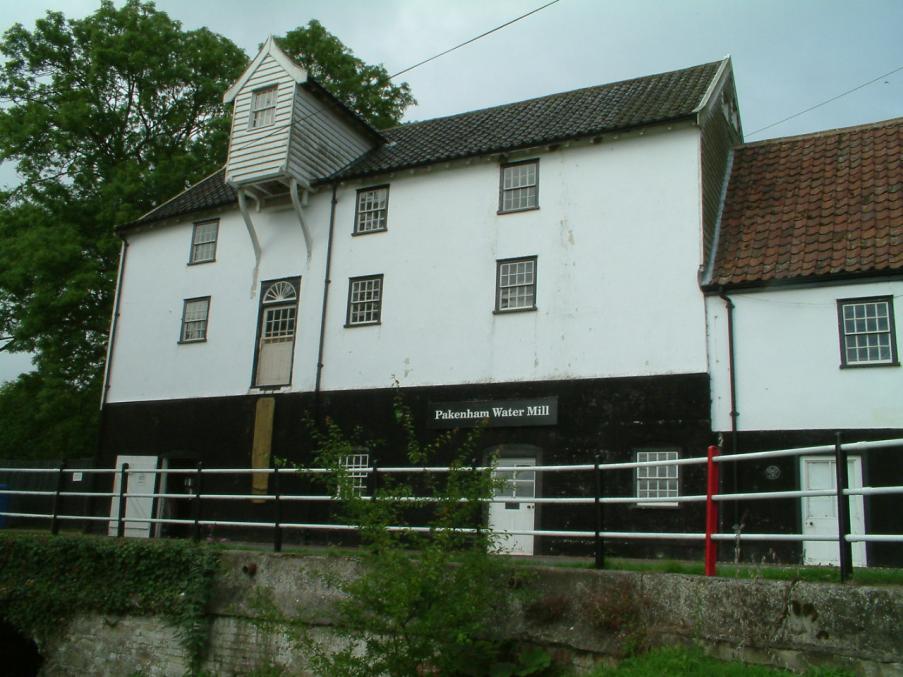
[494, 413]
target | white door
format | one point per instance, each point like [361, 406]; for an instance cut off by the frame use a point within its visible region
[820, 512]
[277, 340]
[138, 507]
[517, 512]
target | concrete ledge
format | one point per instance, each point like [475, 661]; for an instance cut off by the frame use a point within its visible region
[580, 615]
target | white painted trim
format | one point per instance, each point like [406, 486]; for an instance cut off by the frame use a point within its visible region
[725, 65]
[716, 236]
[270, 48]
[252, 233]
[111, 336]
[296, 203]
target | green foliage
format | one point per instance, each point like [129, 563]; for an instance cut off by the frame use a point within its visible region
[44, 417]
[45, 580]
[691, 662]
[364, 88]
[105, 117]
[426, 602]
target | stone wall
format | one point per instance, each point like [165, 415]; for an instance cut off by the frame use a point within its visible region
[581, 616]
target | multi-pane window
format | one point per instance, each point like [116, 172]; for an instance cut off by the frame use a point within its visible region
[263, 107]
[372, 209]
[515, 481]
[867, 331]
[656, 481]
[516, 284]
[365, 297]
[194, 320]
[203, 242]
[519, 186]
[278, 319]
[356, 466]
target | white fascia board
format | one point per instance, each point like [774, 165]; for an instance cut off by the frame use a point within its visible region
[270, 48]
[715, 84]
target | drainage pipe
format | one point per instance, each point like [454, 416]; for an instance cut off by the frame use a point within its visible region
[731, 363]
[326, 284]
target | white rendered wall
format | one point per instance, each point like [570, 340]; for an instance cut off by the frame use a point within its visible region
[616, 236]
[787, 353]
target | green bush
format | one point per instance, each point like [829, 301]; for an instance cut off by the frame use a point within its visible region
[45, 580]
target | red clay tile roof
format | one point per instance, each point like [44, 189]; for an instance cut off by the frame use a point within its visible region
[814, 206]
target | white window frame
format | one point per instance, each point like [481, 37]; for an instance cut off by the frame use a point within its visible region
[867, 324]
[657, 481]
[356, 465]
[194, 324]
[276, 296]
[516, 192]
[372, 212]
[201, 238]
[263, 107]
[504, 283]
[365, 305]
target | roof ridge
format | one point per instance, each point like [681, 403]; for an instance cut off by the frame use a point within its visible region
[414, 123]
[824, 132]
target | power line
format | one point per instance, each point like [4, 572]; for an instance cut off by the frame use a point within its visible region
[827, 101]
[467, 42]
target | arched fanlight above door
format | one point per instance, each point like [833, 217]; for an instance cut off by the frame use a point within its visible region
[280, 292]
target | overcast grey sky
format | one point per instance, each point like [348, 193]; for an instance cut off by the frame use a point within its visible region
[787, 54]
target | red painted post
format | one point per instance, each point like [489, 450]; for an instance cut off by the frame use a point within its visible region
[711, 513]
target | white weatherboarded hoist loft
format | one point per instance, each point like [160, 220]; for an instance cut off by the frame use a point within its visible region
[550, 266]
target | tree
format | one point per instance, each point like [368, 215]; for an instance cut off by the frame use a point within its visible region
[105, 117]
[364, 88]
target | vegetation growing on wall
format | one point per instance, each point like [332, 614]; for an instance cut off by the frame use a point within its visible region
[426, 602]
[46, 580]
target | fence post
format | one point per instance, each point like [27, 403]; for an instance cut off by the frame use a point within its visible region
[196, 534]
[479, 506]
[711, 512]
[843, 510]
[123, 480]
[54, 520]
[277, 531]
[374, 480]
[599, 515]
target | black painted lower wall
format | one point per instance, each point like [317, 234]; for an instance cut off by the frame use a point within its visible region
[611, 417]
[883, 467]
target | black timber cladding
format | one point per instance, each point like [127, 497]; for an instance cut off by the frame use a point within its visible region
[612, 417]
[549, 119]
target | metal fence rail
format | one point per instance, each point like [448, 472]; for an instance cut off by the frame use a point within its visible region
[119, 518]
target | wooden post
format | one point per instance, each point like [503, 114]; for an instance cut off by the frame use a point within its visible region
[711, 513]
[123, 480]
[196, 501]
[843, 511]
[599, 515]
[54, 520]
[277, 530]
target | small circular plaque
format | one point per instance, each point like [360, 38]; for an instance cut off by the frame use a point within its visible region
[772, 472]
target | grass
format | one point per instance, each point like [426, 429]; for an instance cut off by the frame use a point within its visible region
[812, 574]
[691, 662]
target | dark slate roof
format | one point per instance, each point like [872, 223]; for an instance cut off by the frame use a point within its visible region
[549, 119]
[813, 207]
[207, 193]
